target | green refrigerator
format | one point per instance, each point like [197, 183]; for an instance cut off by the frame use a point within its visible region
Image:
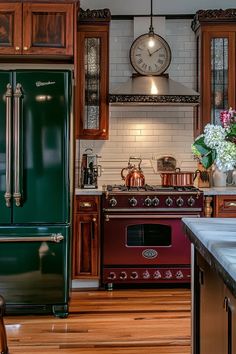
[35, 230]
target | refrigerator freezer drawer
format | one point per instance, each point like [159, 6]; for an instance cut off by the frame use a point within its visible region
[34, 269]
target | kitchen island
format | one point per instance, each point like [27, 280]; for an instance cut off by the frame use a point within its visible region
[213, 284]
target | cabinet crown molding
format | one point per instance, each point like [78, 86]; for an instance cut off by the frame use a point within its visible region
[214, 15]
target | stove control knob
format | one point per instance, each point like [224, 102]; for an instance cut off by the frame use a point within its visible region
[179, 275]
[123, 275]
[146, 274]
[180, 202]
[191, 201]
[157, 274]
[133, 202]
[148, 202]
[155, 201]
[112, 275]
[168, 274]
[169, 202]
[134, 275]
[113, 202]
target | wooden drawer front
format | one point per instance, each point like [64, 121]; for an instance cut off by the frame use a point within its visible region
[86, 204]
[225, 206]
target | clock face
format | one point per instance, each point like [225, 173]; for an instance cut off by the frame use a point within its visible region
[150, 55]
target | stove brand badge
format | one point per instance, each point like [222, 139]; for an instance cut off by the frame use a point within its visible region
[149, 253]
[44, 83]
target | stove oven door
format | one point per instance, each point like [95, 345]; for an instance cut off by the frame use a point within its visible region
[145, 240]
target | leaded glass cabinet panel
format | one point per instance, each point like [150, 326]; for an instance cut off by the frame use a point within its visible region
[92, 66]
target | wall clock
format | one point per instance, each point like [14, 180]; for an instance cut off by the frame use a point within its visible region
[150, 54]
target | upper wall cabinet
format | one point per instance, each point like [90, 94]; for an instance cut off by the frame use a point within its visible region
[37, 28]
[92, 107]
[216, 64]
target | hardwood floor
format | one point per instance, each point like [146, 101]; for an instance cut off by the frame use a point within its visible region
[143, 321]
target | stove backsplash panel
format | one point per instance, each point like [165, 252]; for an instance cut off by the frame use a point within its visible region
[143, 132]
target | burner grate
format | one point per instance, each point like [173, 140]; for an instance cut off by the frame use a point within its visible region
[149, 188]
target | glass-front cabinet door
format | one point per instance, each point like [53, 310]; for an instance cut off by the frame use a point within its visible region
[216, 64]
[92, 109]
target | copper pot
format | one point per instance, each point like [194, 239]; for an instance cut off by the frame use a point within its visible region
[178, 178]
[134, 177]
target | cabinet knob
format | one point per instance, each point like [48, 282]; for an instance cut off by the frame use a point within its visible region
[104, 130]
[94, 219]
[17, 48]
[25, 48]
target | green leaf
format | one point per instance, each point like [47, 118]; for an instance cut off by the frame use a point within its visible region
[232, 130]
[201, 146]
[208, 159]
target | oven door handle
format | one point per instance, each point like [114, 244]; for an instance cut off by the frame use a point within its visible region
[149, 216]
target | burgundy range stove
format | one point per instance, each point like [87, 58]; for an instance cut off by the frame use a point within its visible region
[143, 239]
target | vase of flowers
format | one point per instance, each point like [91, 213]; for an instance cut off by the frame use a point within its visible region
[217, 145]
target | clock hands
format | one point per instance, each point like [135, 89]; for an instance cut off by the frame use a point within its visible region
[150, 54]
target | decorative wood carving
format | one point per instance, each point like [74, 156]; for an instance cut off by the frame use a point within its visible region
[100, 15]
[228, 15]
[178, 99]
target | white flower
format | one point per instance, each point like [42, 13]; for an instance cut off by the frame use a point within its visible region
[214, 135]
[226, 156]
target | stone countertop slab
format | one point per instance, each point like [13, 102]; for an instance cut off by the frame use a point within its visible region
[88, 191]
[219, 191]
[215, 239]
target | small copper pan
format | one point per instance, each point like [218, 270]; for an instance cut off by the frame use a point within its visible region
[178, 178]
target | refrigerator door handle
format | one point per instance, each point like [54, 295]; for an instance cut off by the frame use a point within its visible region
[17, 193]
[56, 238]
[8, 96]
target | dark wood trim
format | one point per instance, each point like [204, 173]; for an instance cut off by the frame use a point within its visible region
[168, 17]
[65, 2]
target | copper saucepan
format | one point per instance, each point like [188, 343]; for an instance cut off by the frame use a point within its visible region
[178, 178]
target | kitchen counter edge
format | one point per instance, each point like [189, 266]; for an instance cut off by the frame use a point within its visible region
[84, 191]
[214, 239]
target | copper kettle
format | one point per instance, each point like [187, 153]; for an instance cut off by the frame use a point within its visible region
[135, 176]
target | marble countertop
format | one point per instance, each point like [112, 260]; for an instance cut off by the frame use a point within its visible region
[219, 190]
[215, 239]
[87, 191]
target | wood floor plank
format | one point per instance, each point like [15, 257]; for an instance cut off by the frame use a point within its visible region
[143, 321]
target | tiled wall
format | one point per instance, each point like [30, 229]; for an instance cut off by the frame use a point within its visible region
[148, 132]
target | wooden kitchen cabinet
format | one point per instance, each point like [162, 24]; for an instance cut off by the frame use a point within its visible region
[86, 237]
[230, 308]
[216, 64]
[92, 83]
[210, 318]
[37, 28]
[225, 206]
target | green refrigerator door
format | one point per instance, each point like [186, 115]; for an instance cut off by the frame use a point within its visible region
[5, 151]
[41, 160]
[34, 269]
